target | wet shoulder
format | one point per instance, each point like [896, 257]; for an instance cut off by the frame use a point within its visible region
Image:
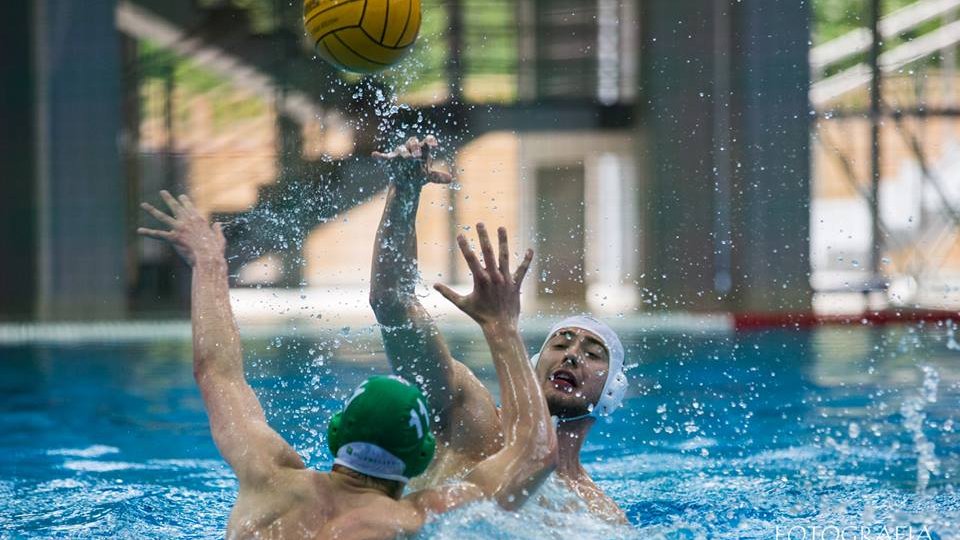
[596, 500]
[381, 519]
[448, 465]
[295, 502]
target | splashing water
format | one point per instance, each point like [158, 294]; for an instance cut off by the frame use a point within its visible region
[564, 512]
[914, 419]
[952, 342]
[793, 429]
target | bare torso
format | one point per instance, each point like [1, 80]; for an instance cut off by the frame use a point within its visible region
[474, 431]
[596, 500]
[310, 504]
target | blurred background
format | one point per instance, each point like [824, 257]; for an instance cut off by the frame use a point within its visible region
[728, 156]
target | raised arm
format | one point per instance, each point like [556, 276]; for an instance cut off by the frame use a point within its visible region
[414, 346]
[413, 343]
[530, 443]
[240, 430]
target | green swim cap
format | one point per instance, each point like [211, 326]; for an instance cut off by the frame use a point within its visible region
[383, 431]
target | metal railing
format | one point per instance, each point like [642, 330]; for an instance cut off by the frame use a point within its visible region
[857, 60]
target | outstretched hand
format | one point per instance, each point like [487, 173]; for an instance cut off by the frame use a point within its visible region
[190, 235]
[415, 160]
[496, 291]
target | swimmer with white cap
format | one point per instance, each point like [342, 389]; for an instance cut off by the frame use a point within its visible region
[580, 365]
[381, 438]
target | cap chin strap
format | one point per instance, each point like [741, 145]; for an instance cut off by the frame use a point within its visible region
[590, 414]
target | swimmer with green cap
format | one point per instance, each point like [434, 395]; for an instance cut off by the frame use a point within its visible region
[579, 367]
[380, 439]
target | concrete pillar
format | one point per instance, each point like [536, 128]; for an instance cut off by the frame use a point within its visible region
[17, 171]
[724, 145]
[677, 147]
[81, 194]
[771, 171]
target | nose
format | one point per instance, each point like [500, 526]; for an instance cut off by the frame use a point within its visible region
[572, 358]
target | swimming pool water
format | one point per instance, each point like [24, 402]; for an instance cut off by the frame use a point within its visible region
[801, 434]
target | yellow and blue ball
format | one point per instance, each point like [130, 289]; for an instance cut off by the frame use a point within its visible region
[362, 36]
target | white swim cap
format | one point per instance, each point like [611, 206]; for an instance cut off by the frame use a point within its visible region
[616, 386]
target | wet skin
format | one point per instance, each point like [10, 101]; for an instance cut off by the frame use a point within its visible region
[468, 424]
[279, 496]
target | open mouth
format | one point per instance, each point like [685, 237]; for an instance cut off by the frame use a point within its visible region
[563, 380]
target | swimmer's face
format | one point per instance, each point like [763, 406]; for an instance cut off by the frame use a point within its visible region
[573, 369]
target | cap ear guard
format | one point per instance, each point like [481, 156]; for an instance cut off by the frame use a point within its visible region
[334, 440]
[612, 396]
[418, 461]
[427, 447]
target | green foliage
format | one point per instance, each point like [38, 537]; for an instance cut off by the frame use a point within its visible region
[833, 18]
[263, 13]
[158, 64]
[490, 36]
[424, 66]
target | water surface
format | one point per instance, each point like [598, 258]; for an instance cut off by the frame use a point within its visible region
[723, 436]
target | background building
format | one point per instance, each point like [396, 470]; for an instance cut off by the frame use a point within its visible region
[658, 155]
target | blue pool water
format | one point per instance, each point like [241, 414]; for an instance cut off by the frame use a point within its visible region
[744, 435]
